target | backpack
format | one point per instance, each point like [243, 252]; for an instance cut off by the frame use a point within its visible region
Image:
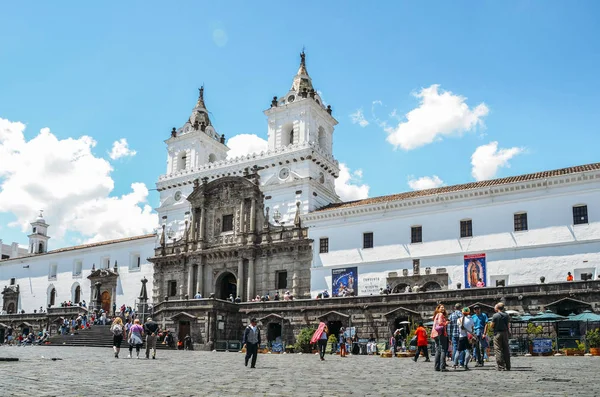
[117, 330]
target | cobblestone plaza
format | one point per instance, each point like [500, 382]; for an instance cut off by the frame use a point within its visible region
[95, 371]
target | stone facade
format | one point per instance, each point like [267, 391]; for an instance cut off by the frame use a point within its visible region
[230, 247]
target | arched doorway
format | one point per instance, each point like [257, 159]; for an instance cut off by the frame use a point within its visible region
[11, 308]
[400, 288]
[431, 286]
[76, 293]
[106, 301]
[273, 331]
[226, 285]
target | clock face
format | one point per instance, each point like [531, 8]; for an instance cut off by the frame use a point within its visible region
[177, 195]
[284, 173]
[291, 98]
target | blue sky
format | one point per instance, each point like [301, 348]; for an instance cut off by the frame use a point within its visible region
[132, 71]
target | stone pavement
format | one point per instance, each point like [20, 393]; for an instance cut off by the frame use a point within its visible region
[95, 372]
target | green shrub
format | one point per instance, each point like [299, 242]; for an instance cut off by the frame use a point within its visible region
[303, 340]
[593, 338]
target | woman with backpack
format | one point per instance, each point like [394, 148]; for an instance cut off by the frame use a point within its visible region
[439, 335]
[118, 331]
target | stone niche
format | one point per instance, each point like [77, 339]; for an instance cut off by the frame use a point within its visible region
[10, 299]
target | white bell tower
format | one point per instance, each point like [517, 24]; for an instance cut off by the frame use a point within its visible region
[300, 132]
[38, 239]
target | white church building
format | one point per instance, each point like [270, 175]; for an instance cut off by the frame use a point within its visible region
[506, 231]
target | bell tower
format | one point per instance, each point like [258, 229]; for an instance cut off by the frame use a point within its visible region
[38, 239]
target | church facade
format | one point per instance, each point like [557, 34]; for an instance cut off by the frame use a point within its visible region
[272, 222]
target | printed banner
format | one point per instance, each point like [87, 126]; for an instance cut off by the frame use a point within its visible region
[370, 284]
[475, 271]
[344, 282]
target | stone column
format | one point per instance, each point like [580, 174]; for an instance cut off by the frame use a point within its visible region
[253, 216]
[295, 291]
[199, 278]
[202, 222]
[190, 288]
[240, 280]
[250, 293]
[242, 223]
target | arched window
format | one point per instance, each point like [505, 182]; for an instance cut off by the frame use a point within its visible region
[291, 142]
[212, 158]
[182, 161]
[51, 295]
[41, 248]
[322, 138]
[76, 293]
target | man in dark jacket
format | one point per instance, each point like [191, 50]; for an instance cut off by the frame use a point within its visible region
[252, 341]
[151, 331]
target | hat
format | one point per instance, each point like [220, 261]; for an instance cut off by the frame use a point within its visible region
[253, 320]
[476, 307]
[466, 310]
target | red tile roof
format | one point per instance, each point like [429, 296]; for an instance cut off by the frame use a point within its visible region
[83, 246]
[463, 187]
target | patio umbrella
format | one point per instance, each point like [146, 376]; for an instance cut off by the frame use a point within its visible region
[404, 322]
[547, 316]
[512, 313]
[587, 315]
[525, 317]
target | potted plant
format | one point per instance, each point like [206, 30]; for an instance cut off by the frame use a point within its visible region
[533, 331]
[592, 339]
[303, 340]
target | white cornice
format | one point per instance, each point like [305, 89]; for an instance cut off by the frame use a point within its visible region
[453, 196]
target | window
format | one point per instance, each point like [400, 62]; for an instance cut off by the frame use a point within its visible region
[324, 245]
[521, 222]
[53, 270]
[77, 266]
[212, 158]
[580, 214]
[466, 228]
[13, 281]
[172, 288]
[281, 279]
[416, 234]
[368, 240]
[34, 230]
[182, 161]
[498, 280]
[292, 137]
[227, 223]
[4, 256]
[135, 262]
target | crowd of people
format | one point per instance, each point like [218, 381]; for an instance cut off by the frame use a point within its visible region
[135, 334]
[12, 337]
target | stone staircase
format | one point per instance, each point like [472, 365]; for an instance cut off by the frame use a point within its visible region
[96, 336]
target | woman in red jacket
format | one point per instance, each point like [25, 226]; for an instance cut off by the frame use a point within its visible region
[421, 334]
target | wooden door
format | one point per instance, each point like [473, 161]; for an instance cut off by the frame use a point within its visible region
[106, 301]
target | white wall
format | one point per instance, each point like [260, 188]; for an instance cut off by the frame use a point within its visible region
[551, 247]
[32, 273]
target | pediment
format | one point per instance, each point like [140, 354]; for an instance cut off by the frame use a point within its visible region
[273, 317]
[333, 314]
[482, 305]
[568, 302]
[402, 310]
[184, 316]
[103, 273]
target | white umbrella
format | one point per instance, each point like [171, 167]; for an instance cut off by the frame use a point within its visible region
[512, 312]
[404, 322]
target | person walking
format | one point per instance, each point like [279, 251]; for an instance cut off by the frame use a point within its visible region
[118, 330]
[440, 336]
[465, 327]
[320, 338]
[479, 321]
[454, 332]
[342, 340]
[500, 326]
[421, 334]
[151, 330]
[136, 333]
[252, 341]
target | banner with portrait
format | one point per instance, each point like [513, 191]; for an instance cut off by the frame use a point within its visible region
[344, 282]
[475, 271]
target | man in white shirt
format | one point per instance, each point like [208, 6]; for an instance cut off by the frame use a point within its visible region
[465, 326]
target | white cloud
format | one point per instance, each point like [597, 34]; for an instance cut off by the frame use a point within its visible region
[348, 184]
[425, 182]
[243, 144]
[64, 178]
[488, 158]
[359, 118]
[439, 114]
[120, 149]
